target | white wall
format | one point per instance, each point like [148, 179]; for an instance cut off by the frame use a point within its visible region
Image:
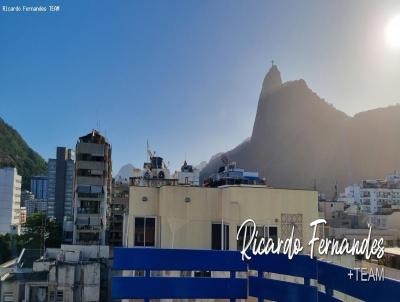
[10, 198]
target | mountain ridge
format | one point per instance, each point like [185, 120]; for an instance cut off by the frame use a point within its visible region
[15, 152]
[299, 140]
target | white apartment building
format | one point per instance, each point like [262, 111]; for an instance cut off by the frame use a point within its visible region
[188, 175]
[351, 195]
[10, 200]
[374, 196]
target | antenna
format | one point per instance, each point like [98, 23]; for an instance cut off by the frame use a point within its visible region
[149, 153]
[147, 149]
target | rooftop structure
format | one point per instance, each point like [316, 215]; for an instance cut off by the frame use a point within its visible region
[155, 172]
[230, 174]
[70, 273]
[188, 175]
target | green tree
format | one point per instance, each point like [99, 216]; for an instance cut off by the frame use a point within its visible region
[41, 232]
[10, 247]
[5, 253]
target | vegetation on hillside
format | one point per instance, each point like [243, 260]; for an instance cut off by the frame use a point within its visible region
[15, 152]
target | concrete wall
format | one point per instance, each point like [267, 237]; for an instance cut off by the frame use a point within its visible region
[182, 224]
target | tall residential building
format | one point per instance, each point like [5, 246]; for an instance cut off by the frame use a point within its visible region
[39, 186]
[10, 200]
[61, 190]
[118, 213]
[93, 189]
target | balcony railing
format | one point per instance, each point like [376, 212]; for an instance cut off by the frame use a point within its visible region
[321, 281]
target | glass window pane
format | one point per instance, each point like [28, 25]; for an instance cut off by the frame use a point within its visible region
[273, 233]
[216, 236]
[226, 237]
[139, 231]
[150, 232]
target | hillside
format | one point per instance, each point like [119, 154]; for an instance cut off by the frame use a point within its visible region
[300, 140]
[15, 152]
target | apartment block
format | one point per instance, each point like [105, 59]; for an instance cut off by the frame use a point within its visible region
[118, 213]
[93, 189]
[61, 190]
[375, 196]
[10, 200]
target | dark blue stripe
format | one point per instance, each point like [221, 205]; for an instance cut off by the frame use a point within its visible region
[280, 290]
[177, 259]
[300, 265]
[178, 288]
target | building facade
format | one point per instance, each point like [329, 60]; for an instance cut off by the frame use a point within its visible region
[39, 186]
[36, 206]
[209, 218]
[377, 195]
[61, 190]
[92, 189]
[71, 273]
[26, 195]
[22, 215]
[118, 213]
[374, 196]
[60, 184]
[10, 200]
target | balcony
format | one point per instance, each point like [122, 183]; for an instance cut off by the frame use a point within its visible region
[89, 180]
[88, 210]
[320, 281]
[95, 165]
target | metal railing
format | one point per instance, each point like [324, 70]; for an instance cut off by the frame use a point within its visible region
[302, 278]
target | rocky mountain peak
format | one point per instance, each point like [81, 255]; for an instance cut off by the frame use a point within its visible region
[271, 81]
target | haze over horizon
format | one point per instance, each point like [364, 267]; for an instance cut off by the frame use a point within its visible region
[185, 76]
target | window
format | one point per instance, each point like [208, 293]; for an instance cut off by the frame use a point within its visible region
[273, 233]
[8, 297]
[202, 274]
[241, 236]
[145, 231]
[216, 239]
[261, 232]
[60, 296]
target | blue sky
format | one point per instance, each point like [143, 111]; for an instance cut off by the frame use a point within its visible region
[185, 75]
